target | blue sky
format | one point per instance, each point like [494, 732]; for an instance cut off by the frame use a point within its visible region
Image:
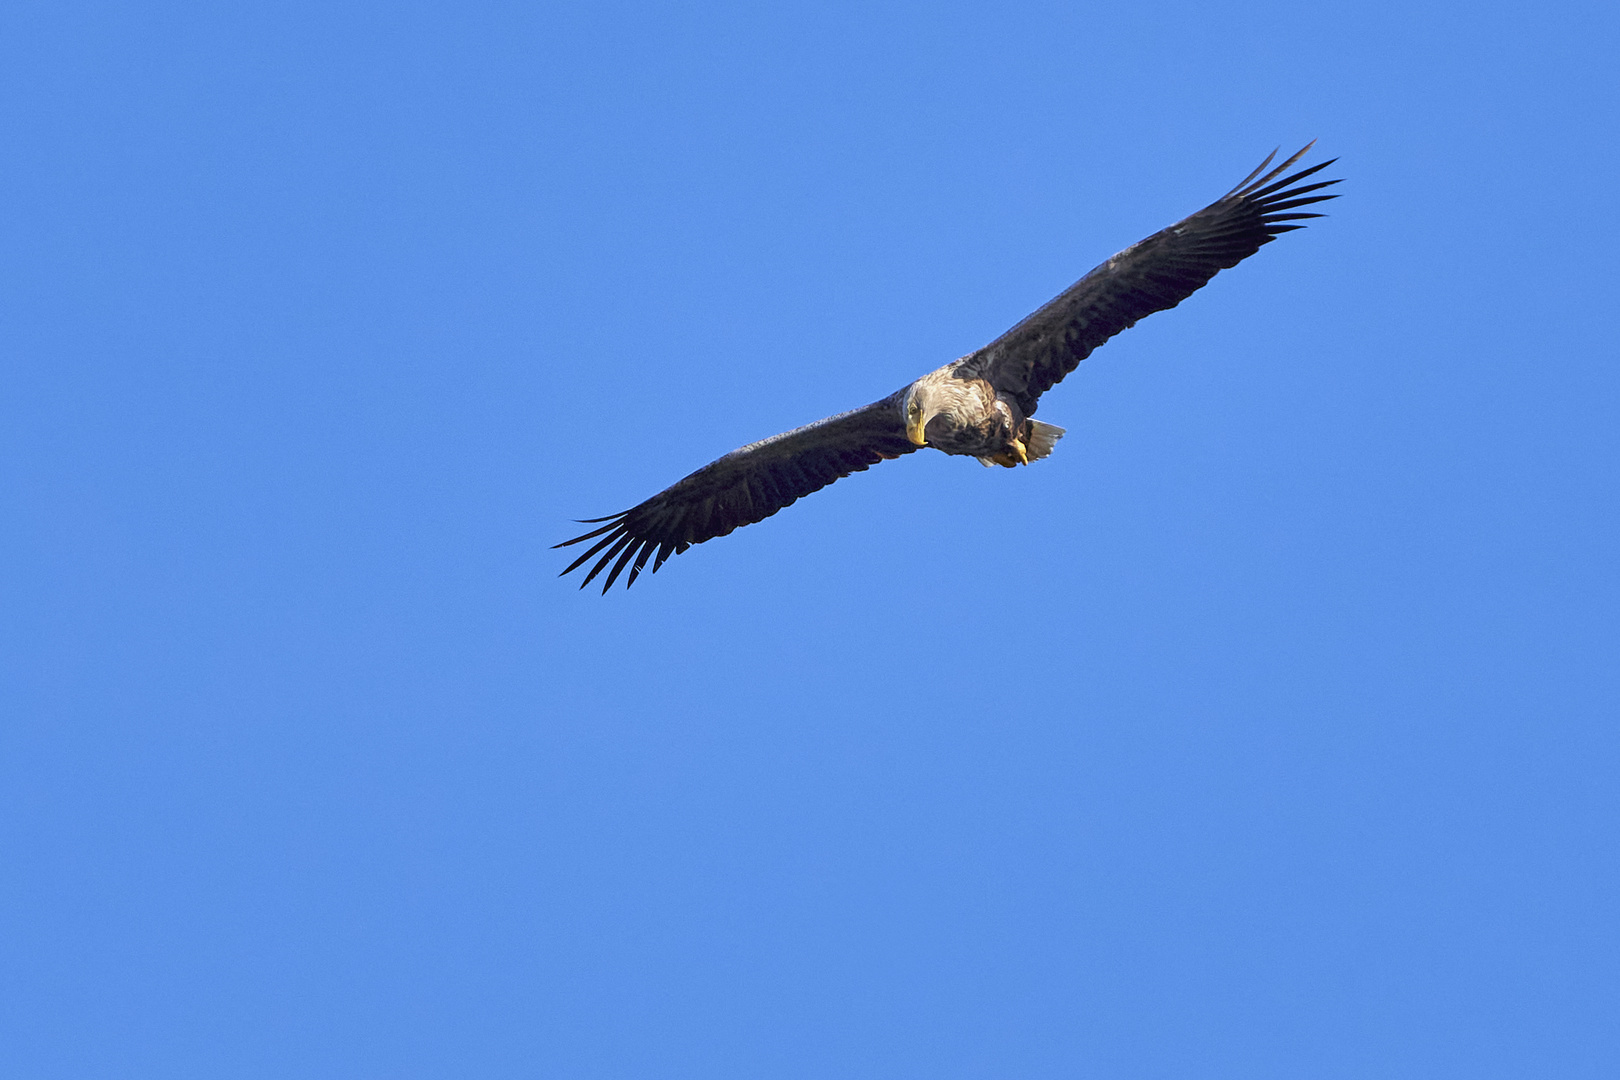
[1268, 729]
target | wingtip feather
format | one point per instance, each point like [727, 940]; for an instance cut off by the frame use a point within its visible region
[613, 523]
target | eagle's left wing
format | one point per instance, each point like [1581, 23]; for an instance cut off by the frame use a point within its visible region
[745, 486]
[1157, 273]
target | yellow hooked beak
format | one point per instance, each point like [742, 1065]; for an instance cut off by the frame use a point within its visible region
[914, 430]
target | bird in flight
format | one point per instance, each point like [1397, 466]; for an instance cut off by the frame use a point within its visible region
[980, 406]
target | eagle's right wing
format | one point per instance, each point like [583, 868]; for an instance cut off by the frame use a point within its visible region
[745, 486]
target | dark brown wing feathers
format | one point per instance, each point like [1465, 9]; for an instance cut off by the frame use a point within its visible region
[745, 486]
[1156, 274]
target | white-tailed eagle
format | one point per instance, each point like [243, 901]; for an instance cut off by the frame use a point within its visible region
[979, 406]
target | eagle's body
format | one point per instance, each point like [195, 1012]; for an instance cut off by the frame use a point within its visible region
[967, 416]
[980, 406]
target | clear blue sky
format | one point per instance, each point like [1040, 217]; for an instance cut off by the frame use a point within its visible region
[1267, 730]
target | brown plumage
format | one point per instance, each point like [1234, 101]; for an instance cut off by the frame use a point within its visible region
[979, 406]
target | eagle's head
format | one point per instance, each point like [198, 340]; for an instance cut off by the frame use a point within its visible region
[919, 410]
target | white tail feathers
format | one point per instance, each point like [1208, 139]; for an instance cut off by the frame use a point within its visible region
[1042, 438]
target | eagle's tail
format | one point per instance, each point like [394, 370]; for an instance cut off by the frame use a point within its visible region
[1041, 439]
[1036, 443]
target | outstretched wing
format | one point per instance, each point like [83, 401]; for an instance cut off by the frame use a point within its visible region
[745, 486]
[1158, 273]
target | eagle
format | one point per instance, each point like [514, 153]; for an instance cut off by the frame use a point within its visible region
[980, 406]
